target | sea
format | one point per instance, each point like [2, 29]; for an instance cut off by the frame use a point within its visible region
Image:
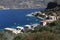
[17, 17]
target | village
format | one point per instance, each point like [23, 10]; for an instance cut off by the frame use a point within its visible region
[45, 19]
[48, 27]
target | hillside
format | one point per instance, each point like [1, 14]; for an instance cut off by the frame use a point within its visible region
[22, 3]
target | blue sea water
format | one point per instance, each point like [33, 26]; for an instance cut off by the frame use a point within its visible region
[13, 17]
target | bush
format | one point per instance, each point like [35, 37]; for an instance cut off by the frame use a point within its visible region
[41, 36]
[2, 36]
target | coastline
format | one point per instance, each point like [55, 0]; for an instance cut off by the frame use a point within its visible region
[15, 15]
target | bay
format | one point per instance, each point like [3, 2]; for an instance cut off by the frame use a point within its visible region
[13, 17]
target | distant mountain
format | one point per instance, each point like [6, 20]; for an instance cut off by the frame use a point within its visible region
[22, 3]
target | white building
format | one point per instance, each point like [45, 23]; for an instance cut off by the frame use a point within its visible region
[34, 25]
[12, 30]
[43, 22]
[26, 28]
[51, 19]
